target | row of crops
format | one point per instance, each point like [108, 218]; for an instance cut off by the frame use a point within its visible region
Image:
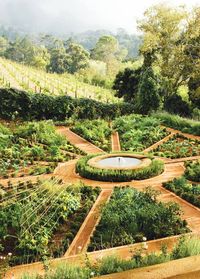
[136, 134]
[30, 79]
[41, 219]
[32, 148]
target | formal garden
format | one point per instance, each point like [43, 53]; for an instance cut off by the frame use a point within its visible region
[100, 150]
[52, 184]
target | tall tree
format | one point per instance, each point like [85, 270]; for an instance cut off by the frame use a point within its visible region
[148, 98]
[77, 58]
[163, 28]
[107, 49]
[126, 84]
[58, 61]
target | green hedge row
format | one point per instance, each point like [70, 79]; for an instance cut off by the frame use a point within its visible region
[185, 125]
[155, 168]
[20, 104]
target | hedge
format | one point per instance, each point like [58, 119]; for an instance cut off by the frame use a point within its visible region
[182, 124]
[84, 170]
[26, 106]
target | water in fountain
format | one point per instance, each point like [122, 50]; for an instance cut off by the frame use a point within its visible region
[119, 162]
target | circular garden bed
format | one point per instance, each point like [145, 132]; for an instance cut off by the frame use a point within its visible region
[90, 167]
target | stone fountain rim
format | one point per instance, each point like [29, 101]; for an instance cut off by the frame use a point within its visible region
[145, 162]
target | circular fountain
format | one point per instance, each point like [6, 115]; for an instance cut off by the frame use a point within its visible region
[118, 167]
[119, 162]
[122, 161]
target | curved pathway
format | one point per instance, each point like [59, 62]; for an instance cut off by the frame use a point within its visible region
[66, 171]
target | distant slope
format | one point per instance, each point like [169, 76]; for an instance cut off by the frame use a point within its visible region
[30, 79]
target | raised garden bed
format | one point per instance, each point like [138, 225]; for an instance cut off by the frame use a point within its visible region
[35, 215]
[131, 215]
[192, 172]
[138, 132]
[31, 149]
[184, 189]
[97, 132]
[178, 147]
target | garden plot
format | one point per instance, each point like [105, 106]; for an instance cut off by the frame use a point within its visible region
[97, 132]
[133, 216]
[32, 149]
[178, 147]
[138, 132]
[186, 190]
[41, 219]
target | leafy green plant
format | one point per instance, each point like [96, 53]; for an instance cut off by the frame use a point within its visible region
[185, 125]
[32, 213]
[193, 171]
[185, 190]
[96, 131]
[23, 150]
[138, 132]
[178, 147]
[130, 215]
[185, 247]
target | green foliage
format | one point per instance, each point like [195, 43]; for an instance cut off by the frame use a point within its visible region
[148, 98]
[193, 171]
[185, 190]
[186, 247]
[23, 50]
[138, 132]
[113, 264]
[126, 84]
[20, 104]
[22, 149]
[3, 45]
[71, 59]
[178, 147]
[113, 175]
[176, 105]
[130, 215]
[31, 213]
[96, 131]
[58, 61]
[107, 49]
[170, 45]
[183, 124]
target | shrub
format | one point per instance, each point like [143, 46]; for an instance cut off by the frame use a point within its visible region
[19, 104]
[193, 171]
[113, 175]
[130, 214]
[175, 104]
[183, 124]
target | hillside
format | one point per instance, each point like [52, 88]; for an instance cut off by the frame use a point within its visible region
[27, 78]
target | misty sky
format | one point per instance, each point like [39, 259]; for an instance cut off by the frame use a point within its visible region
[64, 16]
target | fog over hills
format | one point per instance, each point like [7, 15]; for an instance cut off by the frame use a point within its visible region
[66, 16]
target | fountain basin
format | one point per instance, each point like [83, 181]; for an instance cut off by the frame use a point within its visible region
[122, 161]
[118, 167]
